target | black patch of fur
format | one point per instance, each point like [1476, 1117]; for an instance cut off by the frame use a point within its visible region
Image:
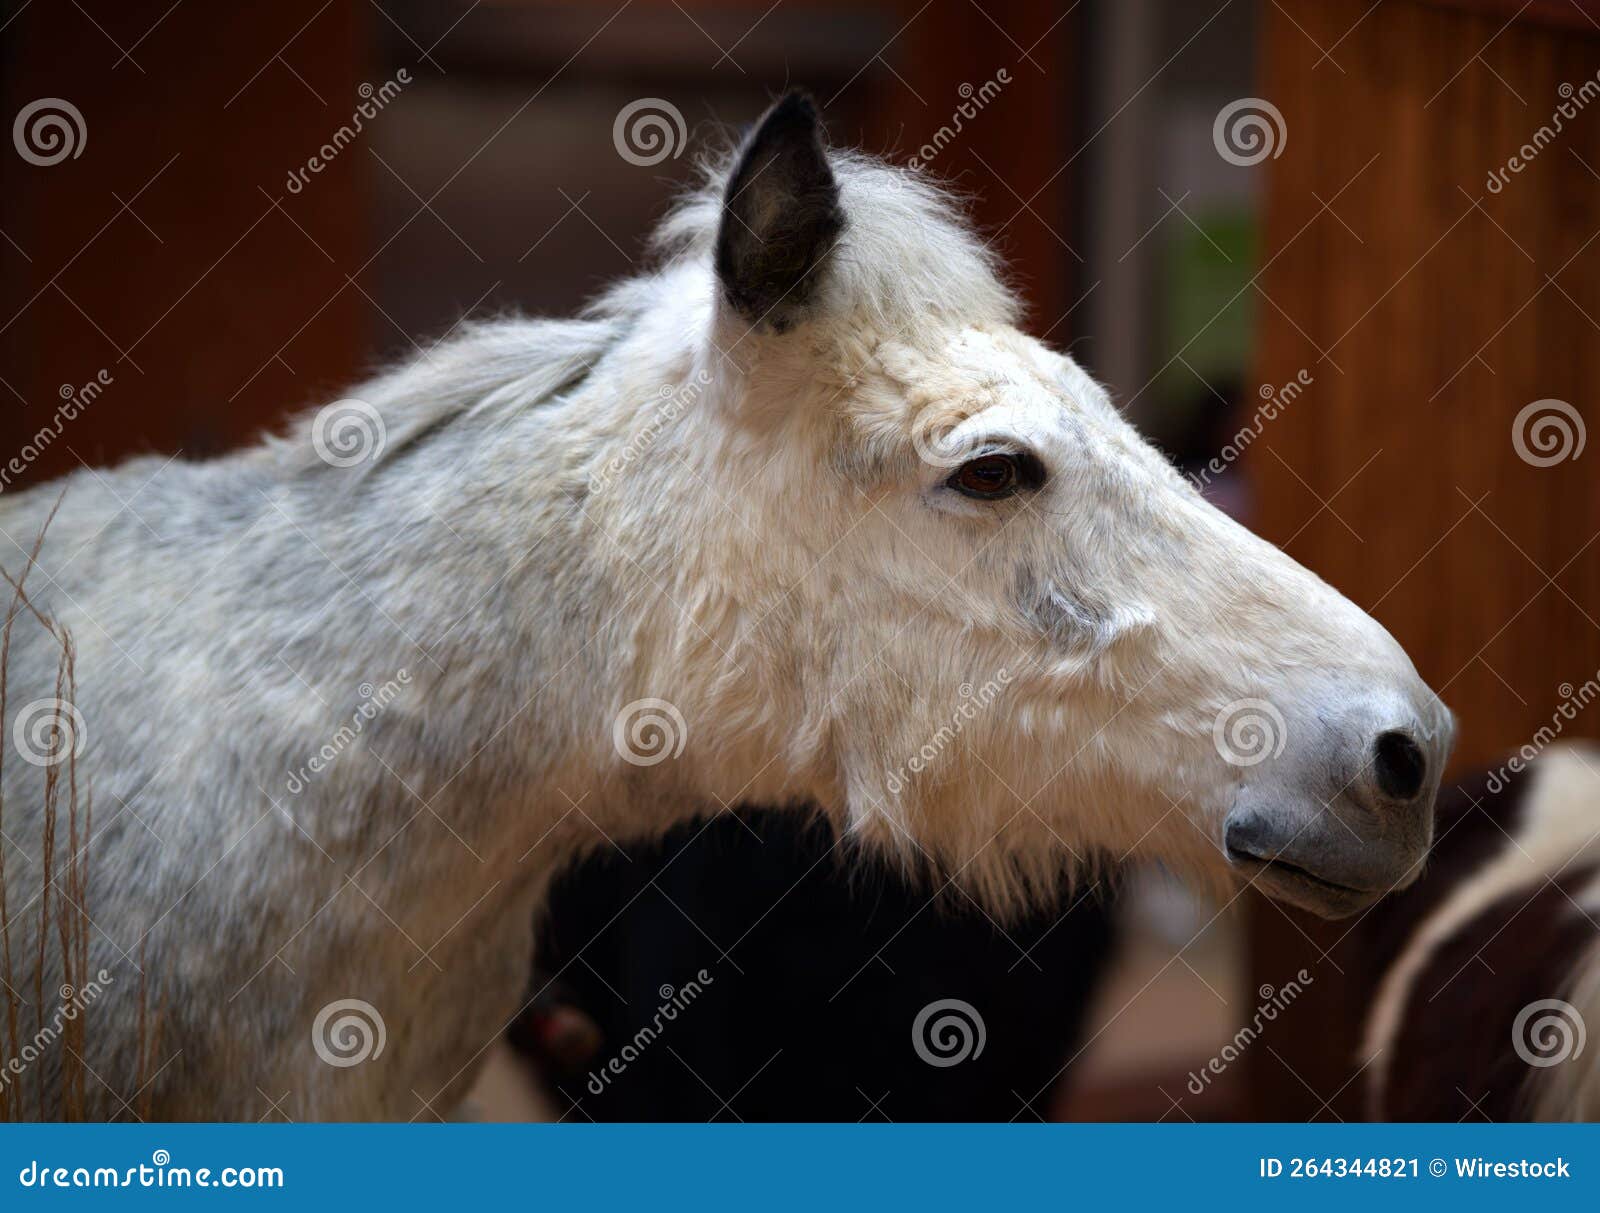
[780, 217]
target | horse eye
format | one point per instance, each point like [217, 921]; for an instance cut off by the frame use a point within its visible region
[988, 477]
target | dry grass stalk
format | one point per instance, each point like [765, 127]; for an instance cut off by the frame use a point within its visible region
[63, 900]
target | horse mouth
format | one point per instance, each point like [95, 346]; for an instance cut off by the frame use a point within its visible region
[1285, 881]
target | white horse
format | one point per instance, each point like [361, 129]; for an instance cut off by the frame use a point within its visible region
[799, 517]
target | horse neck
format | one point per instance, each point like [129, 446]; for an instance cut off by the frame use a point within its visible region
[451, 605]
[531, 599]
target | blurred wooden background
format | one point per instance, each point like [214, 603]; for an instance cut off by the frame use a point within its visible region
[1430, 312]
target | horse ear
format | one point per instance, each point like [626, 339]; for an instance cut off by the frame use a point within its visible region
[780, 216]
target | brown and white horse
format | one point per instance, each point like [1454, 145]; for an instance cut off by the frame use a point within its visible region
[1492, 960]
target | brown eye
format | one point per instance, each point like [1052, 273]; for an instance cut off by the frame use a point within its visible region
[988, 476]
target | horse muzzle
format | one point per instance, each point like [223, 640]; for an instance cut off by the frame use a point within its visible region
[1346, 821]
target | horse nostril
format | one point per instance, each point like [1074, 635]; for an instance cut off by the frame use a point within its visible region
[1399, 765]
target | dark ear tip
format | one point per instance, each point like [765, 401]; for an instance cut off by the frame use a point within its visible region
[781, 214]
[799, 101]
[795, 110]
